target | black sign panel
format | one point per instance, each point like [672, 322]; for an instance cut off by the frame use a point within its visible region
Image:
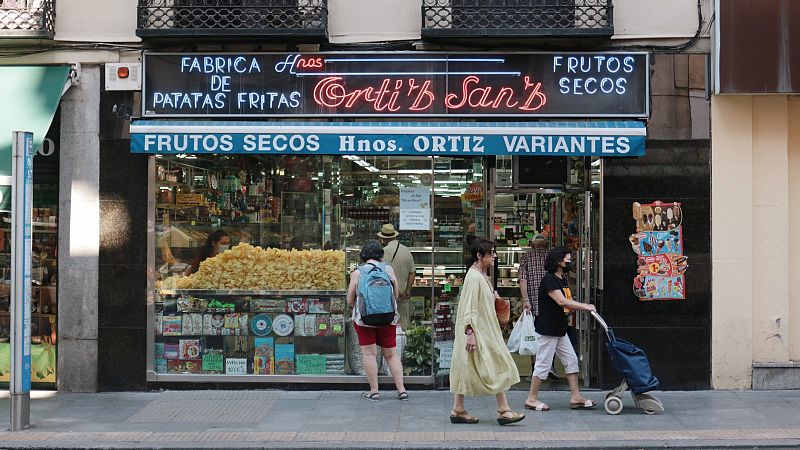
[396, 85]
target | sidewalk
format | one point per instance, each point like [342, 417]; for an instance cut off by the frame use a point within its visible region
[341, 420]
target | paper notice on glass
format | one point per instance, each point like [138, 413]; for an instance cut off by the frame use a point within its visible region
[415, 219]
[445, 356]
[415, 209]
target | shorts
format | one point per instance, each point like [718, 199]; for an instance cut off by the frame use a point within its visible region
[385, 336]
[550, 346]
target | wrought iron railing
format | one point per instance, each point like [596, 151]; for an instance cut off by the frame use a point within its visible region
[27, 18]
[517, 18]
[232, 17]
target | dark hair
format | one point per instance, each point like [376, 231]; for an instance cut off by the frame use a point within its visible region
[208, 247]
[371, 250]
[481, 247]
[554, 257]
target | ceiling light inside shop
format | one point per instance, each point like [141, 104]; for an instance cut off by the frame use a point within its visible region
[595, 163]
[451, 182]
[373, 169]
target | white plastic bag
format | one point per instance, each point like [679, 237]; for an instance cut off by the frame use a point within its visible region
[516, 336]
[528, 344]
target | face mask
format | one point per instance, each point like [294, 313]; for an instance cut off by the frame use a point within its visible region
[222, 248]
[567, 267]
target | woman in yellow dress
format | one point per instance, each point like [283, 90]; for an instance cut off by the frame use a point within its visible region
[481, 364]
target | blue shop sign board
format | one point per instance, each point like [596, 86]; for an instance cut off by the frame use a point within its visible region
[595, 138]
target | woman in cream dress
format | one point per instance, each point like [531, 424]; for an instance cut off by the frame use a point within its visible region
[481, 364]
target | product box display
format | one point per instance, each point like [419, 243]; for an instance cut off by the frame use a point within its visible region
[284, 359]
[172, 325]
[194, 366]
[267, 305]
[264, 362]
[171, 351]
[189, 348]
[251, 335]
[161, 365]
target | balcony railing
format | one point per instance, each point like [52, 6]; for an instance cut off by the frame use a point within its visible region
[27, 18]
[220, 18]
[517, 18]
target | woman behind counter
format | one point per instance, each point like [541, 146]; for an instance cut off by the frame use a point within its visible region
[216, 243]
[481, 364]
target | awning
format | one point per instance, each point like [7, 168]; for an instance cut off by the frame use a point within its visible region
[29, 96]
[592, 138]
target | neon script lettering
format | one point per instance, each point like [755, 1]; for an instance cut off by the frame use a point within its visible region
[332, 93]
[294, 62]
[409, 94]
[474, 95]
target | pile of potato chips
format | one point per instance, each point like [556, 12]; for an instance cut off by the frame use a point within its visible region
[253, 268]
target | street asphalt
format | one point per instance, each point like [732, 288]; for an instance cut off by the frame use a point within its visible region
[262, 419]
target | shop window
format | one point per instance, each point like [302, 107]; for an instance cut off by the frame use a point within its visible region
[280, 309]
[44, 273]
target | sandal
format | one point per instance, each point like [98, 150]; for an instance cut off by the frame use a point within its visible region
[402, 395]
[586, 404]
[538, 406]
[462, 417]
[503, 420]
[373, 397]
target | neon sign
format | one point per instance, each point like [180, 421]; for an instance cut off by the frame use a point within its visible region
[396, 85]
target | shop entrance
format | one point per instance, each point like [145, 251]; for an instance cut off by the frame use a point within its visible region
[568, 215]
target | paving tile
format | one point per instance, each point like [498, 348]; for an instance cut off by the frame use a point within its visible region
[369, 436]
[567, 436]
[16, 436]
[316, 436]
[451, 436]
[171, 437]
[137, 436]
[420, 436]
[518, 436]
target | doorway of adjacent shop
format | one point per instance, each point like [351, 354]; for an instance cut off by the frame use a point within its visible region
[557, 198]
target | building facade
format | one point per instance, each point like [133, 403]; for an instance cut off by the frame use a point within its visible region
[114, 204]
[755, 166]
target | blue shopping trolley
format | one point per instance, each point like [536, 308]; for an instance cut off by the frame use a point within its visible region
[631, 362]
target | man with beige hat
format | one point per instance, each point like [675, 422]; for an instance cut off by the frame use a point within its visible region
[399, 257]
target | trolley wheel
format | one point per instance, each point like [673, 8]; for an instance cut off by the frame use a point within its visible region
[613, 405]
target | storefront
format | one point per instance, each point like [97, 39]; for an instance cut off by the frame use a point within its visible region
[31, 96]
[489, 153]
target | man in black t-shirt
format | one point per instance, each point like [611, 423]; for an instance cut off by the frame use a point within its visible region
[551, 331]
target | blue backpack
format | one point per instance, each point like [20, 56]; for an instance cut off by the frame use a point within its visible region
[375, 292]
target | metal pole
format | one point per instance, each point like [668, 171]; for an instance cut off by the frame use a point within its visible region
[21, 210]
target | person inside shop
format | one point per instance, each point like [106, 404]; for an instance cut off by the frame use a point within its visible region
[551, 331]
[399, 257]
[481, 363]
[469, 238]
[296, 243]
[531, 272]
[217, 242]
[372, 336]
